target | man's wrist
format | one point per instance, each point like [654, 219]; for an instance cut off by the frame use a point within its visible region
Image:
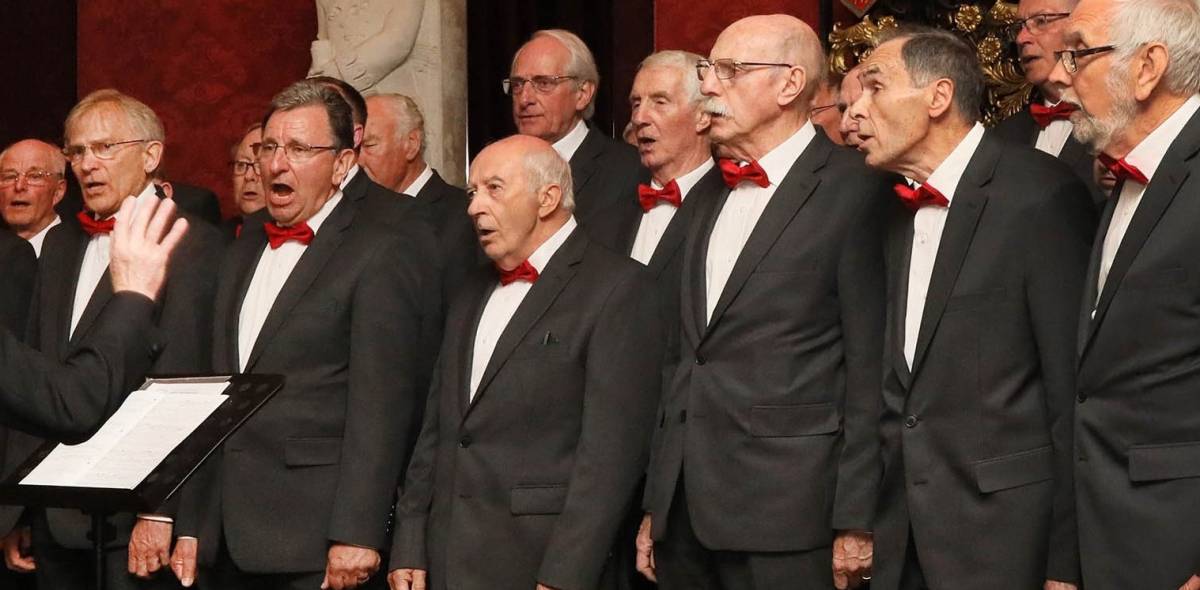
[156, 518]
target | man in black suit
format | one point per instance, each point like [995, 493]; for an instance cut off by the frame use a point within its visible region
[552, 83]
[113, 142]
[32, 182]
[393, 155]
[1137, 417]
[330, 296]
[986, 258]
[764, 451]
[537, 425]
[1046, 124]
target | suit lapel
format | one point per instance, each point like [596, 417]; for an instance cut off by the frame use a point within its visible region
[789, 197]
[899, 253]
[242, 262]
[541, 296]
[100, 298]
[583, 161]
[62, 277]
[695, 304]
[434, 189]
[963, 218]
[485, 283]
[312, 262]
[1093, 276]
[673, 236]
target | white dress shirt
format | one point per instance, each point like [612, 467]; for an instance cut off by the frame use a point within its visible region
[928, 224]
[655, 221]
[39, 238]
[95, 264]
[741, 211]
[1146, 156]
[274, 268]
[419, 182]
[503, 303]
[1052, 139]
[570, 142]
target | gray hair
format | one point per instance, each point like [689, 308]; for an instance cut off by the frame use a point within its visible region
[317, 93]
[685, 62]
[58, 162]
[141, 117]
[408, 115]
[931, 54]
[546, 167]
[582, 64]
[1173, 23]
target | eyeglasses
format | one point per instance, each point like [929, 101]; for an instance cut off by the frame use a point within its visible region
[104, 150]
[295, 153]
[241, 167]
[1070, 57]
[1036, 24]
[815, 110]
[32, 177]
[726, 68]
[543, 84]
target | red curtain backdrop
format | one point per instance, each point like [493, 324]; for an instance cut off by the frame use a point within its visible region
[693, 25]
[208, 69]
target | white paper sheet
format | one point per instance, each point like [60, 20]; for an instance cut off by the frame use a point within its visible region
[131, 444]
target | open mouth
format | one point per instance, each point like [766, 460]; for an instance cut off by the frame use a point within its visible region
[645, 143]
[15, 204]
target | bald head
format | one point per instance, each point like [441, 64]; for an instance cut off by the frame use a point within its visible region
[791, 39]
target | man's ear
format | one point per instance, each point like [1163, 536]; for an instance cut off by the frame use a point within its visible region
[549, 200]
[586, 91]
[793, 88]
[152, 156]
[413, 149]
[342, 164]
[940, 96]
[1150, 67]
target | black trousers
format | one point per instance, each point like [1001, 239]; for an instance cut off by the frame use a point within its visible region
[61, 568]
[912, 577]
[682, 562]
[226, 575]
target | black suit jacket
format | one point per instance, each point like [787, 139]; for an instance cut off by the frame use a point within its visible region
[320, 463]
[976, 437]
[1137, 418]
[455, 233]
[199, 201]
[20, 266]
[183, 313]
[771, 404]
[529, 481]
[1022, 129]
[605, 172]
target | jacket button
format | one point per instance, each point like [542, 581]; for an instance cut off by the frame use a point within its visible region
[465, 441]
[699, 360]
[911, 421]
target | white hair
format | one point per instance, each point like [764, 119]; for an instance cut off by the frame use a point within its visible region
[408, 115]
[546, 167]
[685, 62]
[1174, 23]
[58, 162]
[582, 64]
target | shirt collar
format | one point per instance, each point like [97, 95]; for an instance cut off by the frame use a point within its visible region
[946, 176]
[1148, 154]
[322, 214]
[541, 257]
[37, 239]
[689, 180]
[570, 142]
[349, 176]
[418, 184]
[779, 161]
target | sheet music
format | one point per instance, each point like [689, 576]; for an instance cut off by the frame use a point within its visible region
[131, 444]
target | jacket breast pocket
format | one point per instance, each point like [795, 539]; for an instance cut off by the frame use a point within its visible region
[538, 499]
[310, 452]
[1155, 278]
[971, 301]
[794, 420]
[1160, 462]
[1017, 469]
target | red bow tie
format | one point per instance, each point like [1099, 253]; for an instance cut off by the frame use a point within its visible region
[1044, 115]
[924, 196]
[525, 272]
[649, 196]
[735, 175]
[1123, 170]
[278, 235]
[93, 226]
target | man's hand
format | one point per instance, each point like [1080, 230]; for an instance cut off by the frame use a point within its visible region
[545, 587]
[142, 246]
[149, 547]
[349, 566]
[852, 557]
[1056, 585]
[183, 561]
[407, 579]
[1193, 583]
[16, 550]
[645, 550]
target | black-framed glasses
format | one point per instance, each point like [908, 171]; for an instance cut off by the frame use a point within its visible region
[1070, 57]
[295, 153]
[104, 150]
[1036, 24]
[542, 84]
[726, 68]
[814, 110]
[241, 167]
[32, 177]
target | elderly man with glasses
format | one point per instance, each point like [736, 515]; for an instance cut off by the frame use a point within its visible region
[32, 182]
[553, 83]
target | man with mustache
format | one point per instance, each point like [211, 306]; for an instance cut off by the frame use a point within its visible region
[1046, 124]
[763, 469]
[553, 83]
[986, 255]
[1133, 69]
